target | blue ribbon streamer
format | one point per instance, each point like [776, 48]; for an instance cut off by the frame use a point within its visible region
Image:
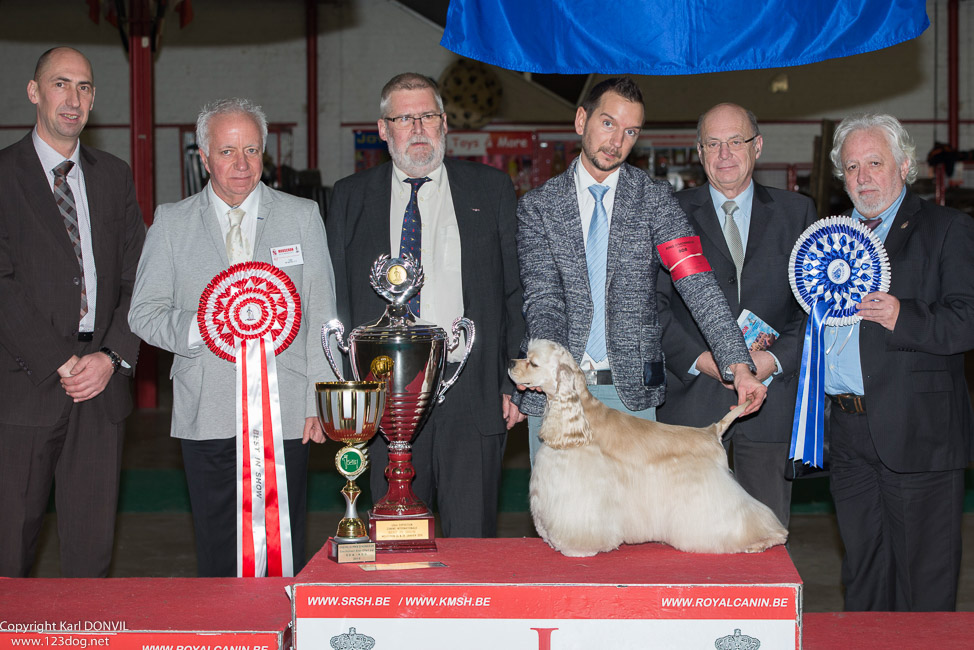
[808, 427]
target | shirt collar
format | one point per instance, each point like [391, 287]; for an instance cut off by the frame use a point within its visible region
[435, 176]
[50, 158]
[743, 200]
[886, 216]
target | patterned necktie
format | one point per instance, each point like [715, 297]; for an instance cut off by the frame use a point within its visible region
[69, 212]
[411, 240]
[596, 256]
[236, 248]
[733, 237]
[871, 223]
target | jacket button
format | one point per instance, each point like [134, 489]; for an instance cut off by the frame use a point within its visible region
[731, 280]
[77, 281]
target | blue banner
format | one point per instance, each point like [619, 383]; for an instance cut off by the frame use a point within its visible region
[667, 37]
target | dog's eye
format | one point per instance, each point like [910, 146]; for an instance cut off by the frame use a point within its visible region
[532, 363]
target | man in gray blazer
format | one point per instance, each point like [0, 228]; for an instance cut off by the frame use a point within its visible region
[189, 243]
[590, 242]
[763, 227]
[70, 227]
[467, 223]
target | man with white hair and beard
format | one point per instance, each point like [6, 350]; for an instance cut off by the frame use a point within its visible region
[458, 217]
[901, 423]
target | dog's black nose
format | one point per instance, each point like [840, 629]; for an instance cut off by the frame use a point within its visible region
[511, 364]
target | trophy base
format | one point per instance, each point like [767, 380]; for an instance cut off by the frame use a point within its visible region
[350, 552]
[402, 533]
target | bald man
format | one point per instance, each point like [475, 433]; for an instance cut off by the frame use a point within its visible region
[70, 238]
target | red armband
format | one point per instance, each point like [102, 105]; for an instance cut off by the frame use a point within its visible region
[683, 257]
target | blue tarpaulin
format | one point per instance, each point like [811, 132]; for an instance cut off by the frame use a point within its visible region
[669, 37]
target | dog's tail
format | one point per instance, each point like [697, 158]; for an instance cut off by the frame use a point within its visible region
[724, 424]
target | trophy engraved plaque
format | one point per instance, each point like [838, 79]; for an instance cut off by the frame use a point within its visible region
[349, 413]
[409, 355]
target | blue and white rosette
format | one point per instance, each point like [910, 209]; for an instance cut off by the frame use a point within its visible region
[834, 263]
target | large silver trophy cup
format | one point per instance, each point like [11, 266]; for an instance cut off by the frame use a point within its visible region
[410, 355]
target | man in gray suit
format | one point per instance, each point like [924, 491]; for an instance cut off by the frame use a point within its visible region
[466, 219]
[70, 237]
[749, 253]
[189, 243]
[590, 242]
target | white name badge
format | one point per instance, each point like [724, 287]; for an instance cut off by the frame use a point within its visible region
[287, 255]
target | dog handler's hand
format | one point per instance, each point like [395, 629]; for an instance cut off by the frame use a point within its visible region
[748, 387]
[512, 414]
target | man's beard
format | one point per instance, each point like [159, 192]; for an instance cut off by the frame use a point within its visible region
[867, 208]
[598, 164]
[418, 166]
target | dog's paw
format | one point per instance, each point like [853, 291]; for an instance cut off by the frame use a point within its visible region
[766, 543]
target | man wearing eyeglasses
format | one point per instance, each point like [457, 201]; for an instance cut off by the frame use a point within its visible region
[458, 217]
[590, 242]
[747, 232]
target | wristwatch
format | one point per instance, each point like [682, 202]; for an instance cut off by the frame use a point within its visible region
[116, 360]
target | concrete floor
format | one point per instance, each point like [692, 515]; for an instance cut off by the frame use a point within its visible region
[160, 544]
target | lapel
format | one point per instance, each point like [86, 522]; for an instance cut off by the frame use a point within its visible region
[263, 213]
[374, 217]
[567, 219]
[209, 225]
[903, 224]
[704, 220]
[96, 188]
[761, 214]
[32, 178]
[466, 198]
[619, 227]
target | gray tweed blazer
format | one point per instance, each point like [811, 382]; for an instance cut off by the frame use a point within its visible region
[558, 303]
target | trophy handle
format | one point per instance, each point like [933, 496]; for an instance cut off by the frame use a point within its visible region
[459, 324]
[334, 325]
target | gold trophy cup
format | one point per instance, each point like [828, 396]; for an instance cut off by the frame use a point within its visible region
[349, 413]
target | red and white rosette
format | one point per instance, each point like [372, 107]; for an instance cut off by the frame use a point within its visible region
[248, 314]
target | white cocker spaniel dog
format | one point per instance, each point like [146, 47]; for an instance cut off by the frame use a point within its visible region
[604, 477]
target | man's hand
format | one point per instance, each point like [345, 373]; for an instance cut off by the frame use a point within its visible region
[764, 362]
[312, 431]
[707, 366]
[65, 369]
[512, 415]
[880, 307]
[88, 377]
[748, 388]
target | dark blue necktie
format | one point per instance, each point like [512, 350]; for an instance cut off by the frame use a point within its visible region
[412, 231]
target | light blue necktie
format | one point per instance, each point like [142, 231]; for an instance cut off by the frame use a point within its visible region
[596, 253]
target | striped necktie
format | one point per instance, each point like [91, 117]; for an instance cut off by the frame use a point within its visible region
[733, 236]
[64, 198]
[596, 256]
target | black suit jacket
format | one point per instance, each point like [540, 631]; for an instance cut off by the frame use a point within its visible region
[778, 218]
[39, 294]
[483, 198]
[918, 405]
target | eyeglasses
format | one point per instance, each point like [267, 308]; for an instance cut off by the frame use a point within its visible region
[404, 122]
[734, 144]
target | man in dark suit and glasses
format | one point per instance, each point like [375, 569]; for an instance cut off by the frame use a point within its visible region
[901, 425]
[747, 232]
[459, 217]
[70, 237]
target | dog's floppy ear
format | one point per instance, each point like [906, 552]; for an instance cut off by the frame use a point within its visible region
[565, 424]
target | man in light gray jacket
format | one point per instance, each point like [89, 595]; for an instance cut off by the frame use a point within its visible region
[190, 243]
[590, 242]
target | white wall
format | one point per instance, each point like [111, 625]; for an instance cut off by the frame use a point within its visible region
[256, 48]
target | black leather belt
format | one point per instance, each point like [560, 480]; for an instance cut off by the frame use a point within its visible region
[598, 377]
[85, 337]
[849, 403]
